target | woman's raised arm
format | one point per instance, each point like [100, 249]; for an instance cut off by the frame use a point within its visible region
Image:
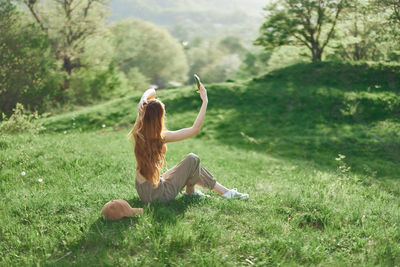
[147, 95]
[182, 134]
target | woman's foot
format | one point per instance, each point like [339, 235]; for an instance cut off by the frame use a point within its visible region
[197, 193]
[233, 193]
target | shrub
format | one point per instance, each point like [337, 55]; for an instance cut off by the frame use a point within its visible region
[87, 86]
[21, 121]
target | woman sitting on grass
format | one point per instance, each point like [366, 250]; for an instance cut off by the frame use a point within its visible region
[150, 146]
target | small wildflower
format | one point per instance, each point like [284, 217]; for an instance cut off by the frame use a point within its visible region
[40, 180]
[23, 173]
[65, 132]
[340, 157]
[104, 126]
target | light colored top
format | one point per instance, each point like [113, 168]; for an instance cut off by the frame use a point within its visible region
[140, 178]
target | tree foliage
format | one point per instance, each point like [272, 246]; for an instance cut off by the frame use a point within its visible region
[363, 35]
[28, 70]
[214, 60]
[309, 23]
[391, 8]
[253, 64]
[149, 49]
[68, 23]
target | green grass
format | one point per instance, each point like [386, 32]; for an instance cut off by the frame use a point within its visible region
[275, 137]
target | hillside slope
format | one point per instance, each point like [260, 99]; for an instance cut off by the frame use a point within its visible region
[310, 112]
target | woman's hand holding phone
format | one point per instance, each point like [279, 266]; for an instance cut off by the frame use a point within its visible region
[203, 93]
[202, 90]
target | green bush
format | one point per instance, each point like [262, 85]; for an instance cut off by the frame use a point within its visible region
[89, 85]
[28, 69]
[21, 121]
[137, 81]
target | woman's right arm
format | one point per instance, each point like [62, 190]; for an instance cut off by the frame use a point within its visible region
[182, 134]
[147, 95]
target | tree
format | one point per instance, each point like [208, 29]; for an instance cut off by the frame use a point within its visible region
[28, 69]
[309, 23]
[217, 59]
[68, 23]
[149, 49]
[362, 33]
[233, 45]
[253, 64]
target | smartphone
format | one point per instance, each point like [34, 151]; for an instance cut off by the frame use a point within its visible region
[197, 79]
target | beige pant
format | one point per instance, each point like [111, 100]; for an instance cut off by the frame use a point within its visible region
[187, 172]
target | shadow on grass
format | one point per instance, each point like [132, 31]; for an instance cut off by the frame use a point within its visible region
[311, 112]
[103, 237]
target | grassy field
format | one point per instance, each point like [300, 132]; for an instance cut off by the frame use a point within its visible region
[276, 137]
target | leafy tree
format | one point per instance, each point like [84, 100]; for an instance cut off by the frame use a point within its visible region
[149, 49]
[100, 78]
[309, 23]
[68, 23]
[362, 33]
[222, 69]
[233, 45]
[287, 55]
[215, 60]
[28, 70]
[253, 64]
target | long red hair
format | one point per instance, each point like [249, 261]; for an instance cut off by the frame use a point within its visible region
[149, 144]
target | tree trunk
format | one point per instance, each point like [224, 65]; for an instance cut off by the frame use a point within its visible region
[316, 54]
[67, 66]
[65, 84]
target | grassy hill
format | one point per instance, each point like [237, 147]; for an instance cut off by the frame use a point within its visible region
[276, 137]
[309, 112]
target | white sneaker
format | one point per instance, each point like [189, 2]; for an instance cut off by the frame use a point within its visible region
[233, 193]
[197, 193]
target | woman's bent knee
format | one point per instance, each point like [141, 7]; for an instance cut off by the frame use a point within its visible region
[193, 157]
[193, 161]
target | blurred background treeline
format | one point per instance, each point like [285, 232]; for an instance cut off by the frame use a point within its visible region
[56, 55]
